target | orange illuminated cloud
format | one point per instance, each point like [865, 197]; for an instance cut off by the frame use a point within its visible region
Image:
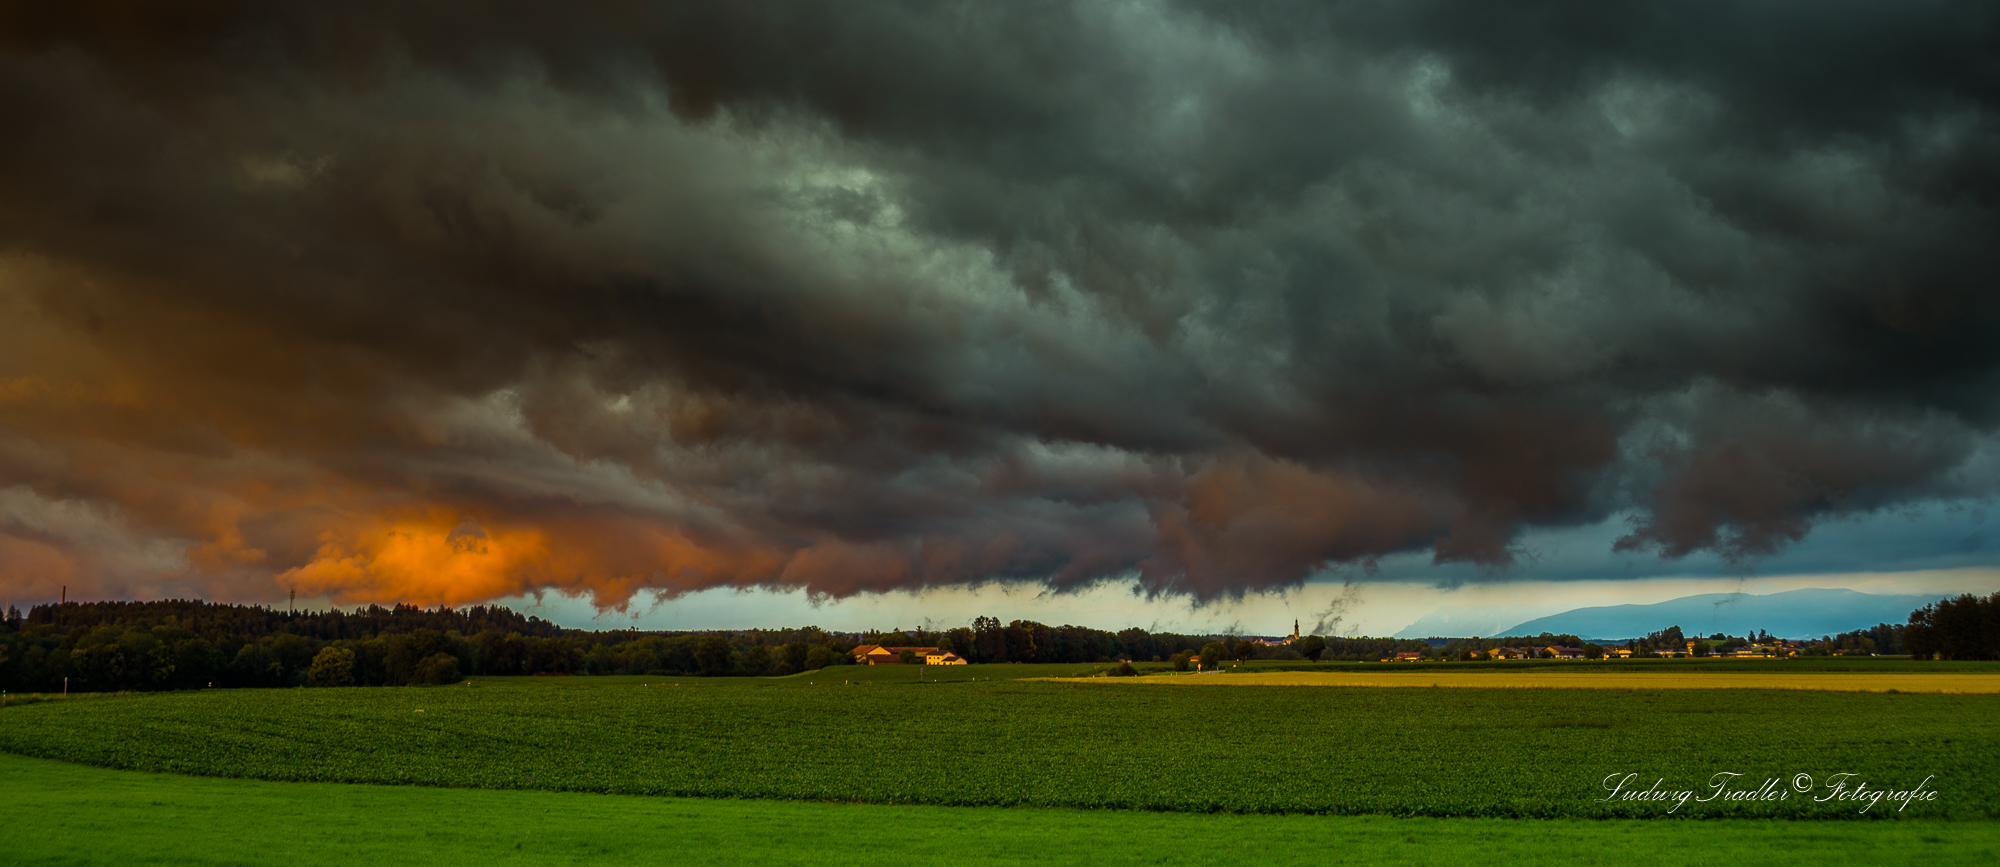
[440, 558]
[424, 562]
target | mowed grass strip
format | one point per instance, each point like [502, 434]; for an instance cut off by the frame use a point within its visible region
[73, 815]
[1444, 752]
[1428, 675]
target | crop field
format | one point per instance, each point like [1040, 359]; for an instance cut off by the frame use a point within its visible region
[1720, 666]
[979, 739]
[1557, 678]
[85, 815]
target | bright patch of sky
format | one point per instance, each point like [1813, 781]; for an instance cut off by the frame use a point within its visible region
[1944, 549]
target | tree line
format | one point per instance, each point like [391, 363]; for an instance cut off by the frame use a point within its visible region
[1882, 639]
[191, 644]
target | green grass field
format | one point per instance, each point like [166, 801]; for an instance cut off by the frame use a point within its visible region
[878, 736]
[65, 814]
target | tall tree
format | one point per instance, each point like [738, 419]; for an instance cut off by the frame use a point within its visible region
[334, 666]
[1214, 655]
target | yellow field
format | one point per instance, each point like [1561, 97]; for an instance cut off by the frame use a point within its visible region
[1941, 682]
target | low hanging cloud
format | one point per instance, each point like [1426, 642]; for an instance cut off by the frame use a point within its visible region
[448, 302]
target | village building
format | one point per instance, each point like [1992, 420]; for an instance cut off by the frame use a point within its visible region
[875, 654]
[1281, 641]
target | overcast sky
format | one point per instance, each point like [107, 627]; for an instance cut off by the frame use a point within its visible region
[1192, 303]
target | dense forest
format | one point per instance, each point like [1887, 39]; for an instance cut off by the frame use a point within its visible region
[186, 644]
[1964, 627]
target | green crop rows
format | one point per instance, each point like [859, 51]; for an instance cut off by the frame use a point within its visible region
[1438, 752]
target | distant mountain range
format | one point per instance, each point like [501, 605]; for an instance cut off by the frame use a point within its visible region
[1793, 614]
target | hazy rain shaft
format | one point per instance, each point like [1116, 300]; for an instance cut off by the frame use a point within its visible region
[450, 302]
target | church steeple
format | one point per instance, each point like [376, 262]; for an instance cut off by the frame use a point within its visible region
[1295, 630]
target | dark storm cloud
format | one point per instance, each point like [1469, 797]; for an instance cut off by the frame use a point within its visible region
[865, 296]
